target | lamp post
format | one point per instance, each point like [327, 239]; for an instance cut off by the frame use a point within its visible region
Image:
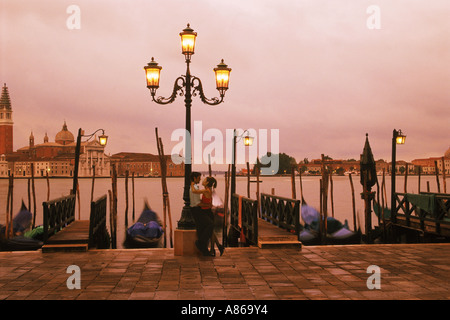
[102, 139]
[397, 138]
[188, 85]
[248, 141]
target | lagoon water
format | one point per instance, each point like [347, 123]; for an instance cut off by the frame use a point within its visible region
[150, 189]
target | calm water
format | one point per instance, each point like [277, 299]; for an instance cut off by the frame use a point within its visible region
[150, 189]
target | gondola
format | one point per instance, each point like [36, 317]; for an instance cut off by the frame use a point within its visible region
[338, 233]
[147, 232]
[19, 242]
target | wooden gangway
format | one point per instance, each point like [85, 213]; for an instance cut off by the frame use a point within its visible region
[63, 233]
[424, 213]
[73, 237]
[277, 227]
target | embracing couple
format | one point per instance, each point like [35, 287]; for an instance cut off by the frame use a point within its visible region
[201, 208]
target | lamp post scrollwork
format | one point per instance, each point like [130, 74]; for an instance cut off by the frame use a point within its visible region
[188, 86]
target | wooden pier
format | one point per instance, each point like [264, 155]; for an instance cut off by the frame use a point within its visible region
[63, 233]
[271, 236]
[74, 237]
[278, 226]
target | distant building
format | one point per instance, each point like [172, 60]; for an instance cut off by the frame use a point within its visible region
[144, 165]
[342, 166]
[428, 165]
[57, 159]
[339, 166]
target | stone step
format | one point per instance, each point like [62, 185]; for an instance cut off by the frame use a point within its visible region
[264, 244]
[73, 247]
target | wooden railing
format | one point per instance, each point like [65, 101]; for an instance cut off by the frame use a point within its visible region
[58, 214]
[249, 218]
[430, 217]
[282, 212]
[98, 234]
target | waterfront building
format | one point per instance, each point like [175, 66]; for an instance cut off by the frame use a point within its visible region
[428, 165]
[144, 165]
[57, 159]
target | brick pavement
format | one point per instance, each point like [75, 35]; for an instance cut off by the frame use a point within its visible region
[419, 271]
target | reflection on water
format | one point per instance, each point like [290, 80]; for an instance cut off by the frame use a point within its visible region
[150, 189]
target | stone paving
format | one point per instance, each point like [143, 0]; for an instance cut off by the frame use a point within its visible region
[416, 271]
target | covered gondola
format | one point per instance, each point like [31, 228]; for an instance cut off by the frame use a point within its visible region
[338, 233]
[147, 232]
[19, 241]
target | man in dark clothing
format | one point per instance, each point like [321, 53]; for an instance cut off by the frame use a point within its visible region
[202, 221]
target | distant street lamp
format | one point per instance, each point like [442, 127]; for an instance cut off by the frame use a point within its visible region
[188, 86]
[397, 138]
[248, 141]
[103, 139]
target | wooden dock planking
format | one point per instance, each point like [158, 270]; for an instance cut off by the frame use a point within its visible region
[74, 237]
[429, 226]
[271, 236]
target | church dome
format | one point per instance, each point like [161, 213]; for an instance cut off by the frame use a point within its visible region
[447, 153]
[64, 136]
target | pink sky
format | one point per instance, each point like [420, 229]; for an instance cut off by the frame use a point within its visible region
[311, 69]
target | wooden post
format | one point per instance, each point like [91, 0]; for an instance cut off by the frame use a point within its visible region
[78, 198]
[325, 196]
[406, 177]
[385, 193]
[9, 224]
[321, 213]
[444, 175]
[111, 217]
[225, 207]
[29, 193]
[11, 227]
[436, 169]
[383, 197]
[353, 201]
[48, 186]
[257, 169]
[419, 171]
[248, 180]
[132, 191]
[166, 202]
[93, 180]
[114, 208]
[378, 201]
[301, 186]
[294, 192]
[126, 199]
[34, 195]
[331, 194]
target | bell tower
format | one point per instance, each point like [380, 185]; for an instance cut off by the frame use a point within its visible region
[6, 123]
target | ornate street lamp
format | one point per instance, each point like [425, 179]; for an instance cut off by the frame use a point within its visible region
[248, 141]
[103, 139]
[187, 85]
[397, 138]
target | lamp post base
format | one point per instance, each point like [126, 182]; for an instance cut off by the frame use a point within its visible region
[184, 243]
[186, 221]
[186, 234]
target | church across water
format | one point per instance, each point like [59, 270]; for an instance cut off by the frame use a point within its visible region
[55, 159]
